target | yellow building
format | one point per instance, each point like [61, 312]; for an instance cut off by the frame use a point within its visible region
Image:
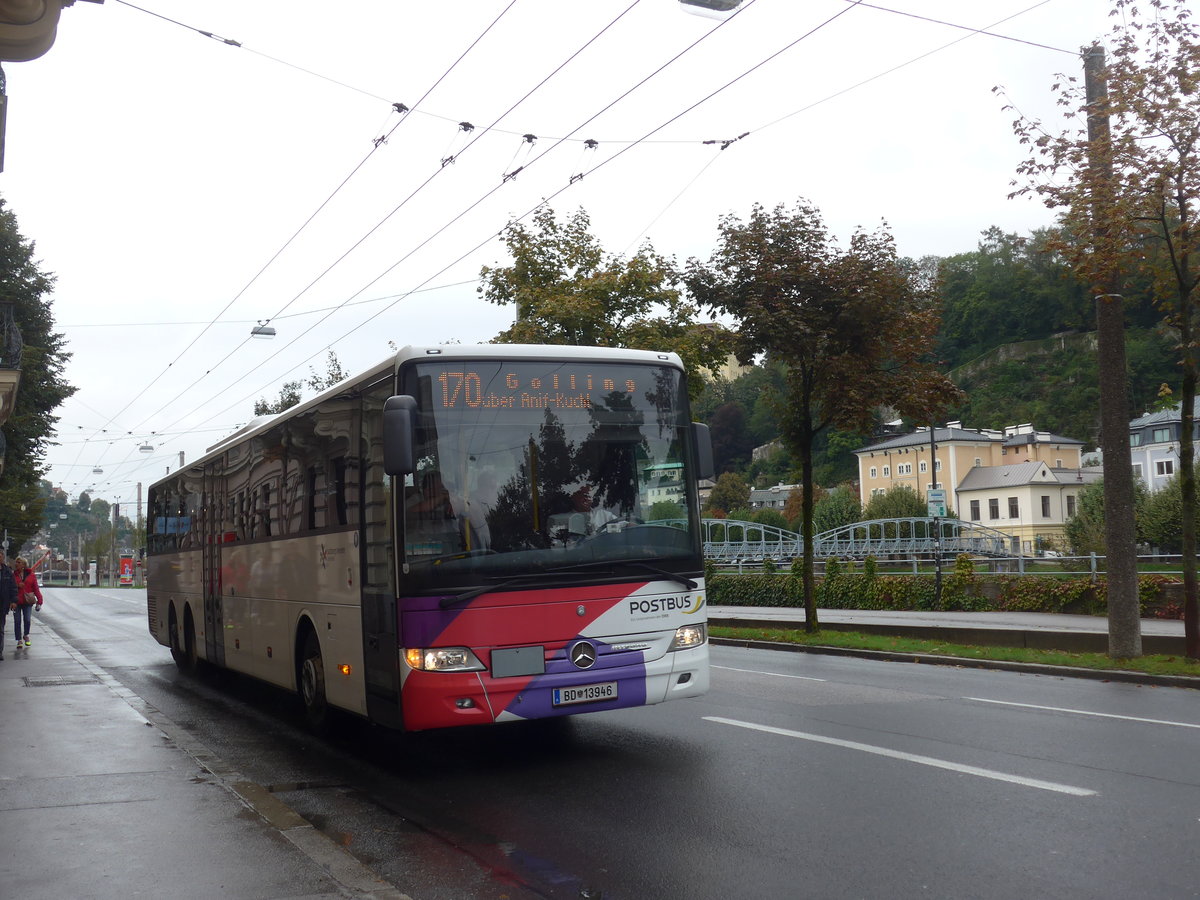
[1045, 465]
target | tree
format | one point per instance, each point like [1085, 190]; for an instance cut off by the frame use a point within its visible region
[730, 492]
[837, 508]
[568, 290]
[851, 328]
[1129, 191]
[1160, 517]
[898, 502]
[289, 393]
[770, 517]
[1085, 529]
[43, 388]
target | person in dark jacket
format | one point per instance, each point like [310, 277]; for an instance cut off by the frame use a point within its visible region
[8, 596]
[28, 593]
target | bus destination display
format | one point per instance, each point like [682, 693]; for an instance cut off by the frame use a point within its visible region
[554, 391]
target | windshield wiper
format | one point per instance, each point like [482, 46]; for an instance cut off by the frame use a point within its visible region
[611, 565]
[474, 592]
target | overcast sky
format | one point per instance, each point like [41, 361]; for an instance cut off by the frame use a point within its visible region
[163, 174]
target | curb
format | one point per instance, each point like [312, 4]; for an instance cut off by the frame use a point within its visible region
[1180, 681]
[352, 875]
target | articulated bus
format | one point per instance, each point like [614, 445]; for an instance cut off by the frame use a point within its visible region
[461, 535]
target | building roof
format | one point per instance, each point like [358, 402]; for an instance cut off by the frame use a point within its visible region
[921, 439]
[1017, 435]
[984, 478]
[989, 478]
[1174, 414]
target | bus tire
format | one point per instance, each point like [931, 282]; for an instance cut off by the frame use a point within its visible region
[173, 638]
[182, 651]
[190, 661]
[311, 677]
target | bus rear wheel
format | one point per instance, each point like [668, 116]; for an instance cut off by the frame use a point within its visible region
[312, 684]
[184, 653]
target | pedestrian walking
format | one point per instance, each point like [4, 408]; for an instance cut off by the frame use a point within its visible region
[8, 597]
[28, 593]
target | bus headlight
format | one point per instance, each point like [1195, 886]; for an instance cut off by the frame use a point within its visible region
[689, 636]
[443, 659]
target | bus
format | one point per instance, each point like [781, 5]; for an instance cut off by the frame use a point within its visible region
[460, 535]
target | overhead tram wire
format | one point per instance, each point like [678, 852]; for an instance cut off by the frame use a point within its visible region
[374, 148]
[546, 200]
[356, 89]
[489, 193]
[974, 31]
[983, 31]
[478, 136]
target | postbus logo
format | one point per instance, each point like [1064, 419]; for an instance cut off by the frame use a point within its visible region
[648, 606]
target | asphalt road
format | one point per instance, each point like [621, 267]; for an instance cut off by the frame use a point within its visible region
[797, 775]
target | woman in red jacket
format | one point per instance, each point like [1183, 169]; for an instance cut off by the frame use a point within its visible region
[28, 593]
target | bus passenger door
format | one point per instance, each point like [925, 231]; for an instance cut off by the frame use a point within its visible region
[210, 515]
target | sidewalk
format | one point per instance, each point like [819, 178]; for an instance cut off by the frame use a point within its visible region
[102, 797]
[1038, 631]
[1043, 631]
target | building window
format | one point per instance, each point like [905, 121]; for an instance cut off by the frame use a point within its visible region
[1135, 439]
[1137, 470]
[1014, 509]
[924, 467]
[887, 471]
[1070, 506]
[874, 472]
[974, 510]
[993, 508]
[1160, 435]
[937, 465]
[1164, 467]
[978, 462]
[1058, 464]
[1045, 507]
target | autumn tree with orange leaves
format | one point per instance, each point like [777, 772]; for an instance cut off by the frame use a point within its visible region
[1129, 202]
[852, 327]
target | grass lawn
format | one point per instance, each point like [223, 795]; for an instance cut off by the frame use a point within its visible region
[1154, 665]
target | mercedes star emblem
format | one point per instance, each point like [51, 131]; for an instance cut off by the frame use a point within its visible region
[583, 655]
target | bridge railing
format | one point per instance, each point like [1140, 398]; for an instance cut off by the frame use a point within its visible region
[727, 540]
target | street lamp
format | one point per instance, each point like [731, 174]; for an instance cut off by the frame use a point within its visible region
[263, 330]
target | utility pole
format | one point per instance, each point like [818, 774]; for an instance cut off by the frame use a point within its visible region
[937, 526]
[1124, 625]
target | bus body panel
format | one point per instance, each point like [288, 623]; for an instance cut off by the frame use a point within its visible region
[629, 626]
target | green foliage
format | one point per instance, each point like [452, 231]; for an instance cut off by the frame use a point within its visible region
[771, 517]
[289, 393]
[568, 290]
[1085, 530]
[962, 591]
[1160, 517]
[43, 386]
[898, 502]
[837, 508]
[730, 492]
[664, 509]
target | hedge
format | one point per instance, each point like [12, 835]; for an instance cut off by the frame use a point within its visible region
[962, 590]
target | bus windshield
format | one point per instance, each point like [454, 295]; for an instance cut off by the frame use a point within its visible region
[526, 467]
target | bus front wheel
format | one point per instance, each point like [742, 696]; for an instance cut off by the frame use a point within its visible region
[312, 684]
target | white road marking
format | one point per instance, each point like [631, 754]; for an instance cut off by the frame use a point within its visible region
[913, 758]
[1085, 712]
[756, 672]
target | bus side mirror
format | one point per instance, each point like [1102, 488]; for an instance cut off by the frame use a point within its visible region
[399, 428]
[704, 454]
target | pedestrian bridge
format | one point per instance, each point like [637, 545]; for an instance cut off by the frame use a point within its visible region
[727, 540]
